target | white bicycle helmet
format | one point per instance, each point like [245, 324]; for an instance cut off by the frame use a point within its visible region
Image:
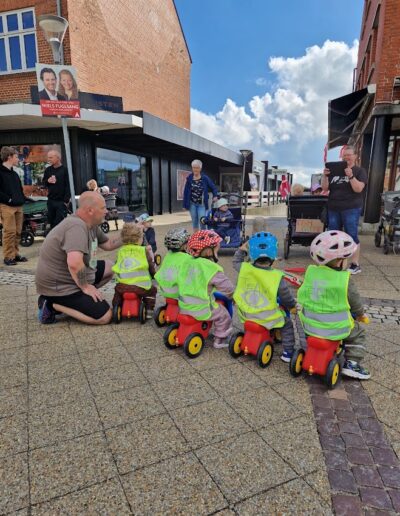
[331, 245]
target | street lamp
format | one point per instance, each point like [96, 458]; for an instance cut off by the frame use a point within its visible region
[54, 29]
[245, 153]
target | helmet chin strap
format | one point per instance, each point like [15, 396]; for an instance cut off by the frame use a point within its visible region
[214, 257]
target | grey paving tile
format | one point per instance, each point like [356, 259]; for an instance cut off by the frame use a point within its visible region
[69, 466]
[51, 370]
[13, 435]
[184, 390]
[294, 497]
[48, 334]
[145, 442]
[14, 483]
[64, 390]
[244, 465]
[211, 358]
[104, 498]
[262, 408]
[231, 379]
[175, 486]
[51, 350]
[145, 347]
[117, 378]
[13, 376]
[105, 357]
[276, 373]
[387, 407]
[297, 393]
[49, 425]
[319, 481]
[164, 367]
[128, 406]
[13, 401]
[208, 422]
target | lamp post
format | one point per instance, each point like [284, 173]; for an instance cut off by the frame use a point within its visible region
[54, 29]
[245, 153]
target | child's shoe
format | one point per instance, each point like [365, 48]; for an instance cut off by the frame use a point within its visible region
[220, 343]
[45, 314]
[286, 356]
[355, 370]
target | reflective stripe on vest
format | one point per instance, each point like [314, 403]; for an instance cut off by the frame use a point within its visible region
[256, 296]
[131, 266]
[167, 275]
[325, 307]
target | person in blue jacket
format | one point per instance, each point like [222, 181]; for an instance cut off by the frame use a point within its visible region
[195, 194]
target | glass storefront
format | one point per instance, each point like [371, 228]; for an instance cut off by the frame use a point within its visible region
[392, 172]
[124, 174]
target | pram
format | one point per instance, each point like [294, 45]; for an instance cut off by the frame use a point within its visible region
[34, 224]
[306, 219]
[389, 225]
[112, 212]
[235, 228]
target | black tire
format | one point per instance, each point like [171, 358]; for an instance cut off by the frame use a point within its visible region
[159, 316]
[296, 362]
[203, 220]
[193, 345]
[116, 314]
[170, 336]
[233, 345]
[105, 227]
[265, 353]
[142, 313]
[286, 247]
[332, 375]
[157, 259]
[378, 238]
[27, 239]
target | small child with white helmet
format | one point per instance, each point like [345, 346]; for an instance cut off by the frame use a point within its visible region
[221, 219]
[330, 300]
[259, 286]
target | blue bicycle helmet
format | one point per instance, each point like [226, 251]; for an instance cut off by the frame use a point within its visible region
[263, 245]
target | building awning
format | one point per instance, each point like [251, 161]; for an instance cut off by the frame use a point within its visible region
[343, 113]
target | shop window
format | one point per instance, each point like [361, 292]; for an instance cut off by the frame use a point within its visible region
[18, 47]
[386, 183]
[124, 174]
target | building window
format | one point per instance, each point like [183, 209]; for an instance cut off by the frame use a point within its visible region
[18, 47]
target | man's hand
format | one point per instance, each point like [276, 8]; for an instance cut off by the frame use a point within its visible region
[326, 171]
[348, 171]
[245, 247]
[93, 292]
[52, 180]
[223, 219]
[216, 219]
[215, 199]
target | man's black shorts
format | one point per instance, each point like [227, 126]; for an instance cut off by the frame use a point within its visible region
[82, 302]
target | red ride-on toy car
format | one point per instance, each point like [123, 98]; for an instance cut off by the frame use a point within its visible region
[132, 306]
[168, 313]
[189, 333]
[255, 340]
[322, 357]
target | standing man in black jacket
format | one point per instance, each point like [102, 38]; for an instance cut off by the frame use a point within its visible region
[12, 199]
[56, 181]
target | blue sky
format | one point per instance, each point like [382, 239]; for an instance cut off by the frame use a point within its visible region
[232, 43]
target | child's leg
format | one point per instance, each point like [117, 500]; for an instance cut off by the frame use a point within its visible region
[222, 322]
[150, 298]
[287, 335]
[354, 344]
[119, 290]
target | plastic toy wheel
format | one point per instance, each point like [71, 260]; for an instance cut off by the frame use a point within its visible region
[142, 313]
[27, 238]
[170, 336]
[332, 373]
[296, 362]
[116, 314]
[378, 238]
[235, 345]
[105, 227]
[286, 247]
[193, 345]
[265, 353]
[159, 316]
[386, 247]
[157, 259]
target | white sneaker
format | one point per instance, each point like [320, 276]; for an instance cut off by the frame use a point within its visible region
[354, 269]
[220, 343]
[227, 239]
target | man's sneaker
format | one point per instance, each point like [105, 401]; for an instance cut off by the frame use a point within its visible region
[355, 370]
[20, 258]
[46, 315]
[286, 356]
[220, 343]
[354, 269]
[227, 239]
[9, 261]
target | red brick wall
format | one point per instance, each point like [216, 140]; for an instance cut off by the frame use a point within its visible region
[134, 49]
[16, 87]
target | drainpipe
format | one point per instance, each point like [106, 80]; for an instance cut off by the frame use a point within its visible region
[59, 13]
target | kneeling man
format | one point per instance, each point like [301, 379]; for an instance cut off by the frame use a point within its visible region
[68, 274]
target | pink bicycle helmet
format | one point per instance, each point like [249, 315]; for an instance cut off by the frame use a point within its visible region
[331, 245]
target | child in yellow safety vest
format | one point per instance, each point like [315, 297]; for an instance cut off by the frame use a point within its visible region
[259, 287]
[199, 279]
[175, 241]
[329, 300]
[134, 267]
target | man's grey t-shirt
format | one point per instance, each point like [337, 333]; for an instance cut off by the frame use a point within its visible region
[72, 234]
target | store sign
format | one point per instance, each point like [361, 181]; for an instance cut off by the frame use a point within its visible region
[58, 90]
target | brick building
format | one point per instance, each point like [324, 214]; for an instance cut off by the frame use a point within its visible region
[369, 118]
[133, 50]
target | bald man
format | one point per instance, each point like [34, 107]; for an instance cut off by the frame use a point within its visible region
[68, 275]
[55, 179]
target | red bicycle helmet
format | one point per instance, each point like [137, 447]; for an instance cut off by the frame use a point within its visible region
[202, 240]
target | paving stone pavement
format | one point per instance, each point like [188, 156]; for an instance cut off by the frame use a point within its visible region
[107, 420]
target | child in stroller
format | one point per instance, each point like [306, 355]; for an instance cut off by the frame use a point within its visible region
[225, 223]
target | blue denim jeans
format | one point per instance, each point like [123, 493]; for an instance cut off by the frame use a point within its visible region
[196, 212]
[346, 220]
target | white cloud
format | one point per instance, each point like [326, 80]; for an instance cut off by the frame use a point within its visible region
[288, 124]
[261, 81]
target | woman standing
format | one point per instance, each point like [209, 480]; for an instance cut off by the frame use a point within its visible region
[67, 85]
[195, 194]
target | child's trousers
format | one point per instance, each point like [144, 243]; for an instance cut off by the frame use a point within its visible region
[222, 322]
[287, 332]
[149, 296]
[354, 344]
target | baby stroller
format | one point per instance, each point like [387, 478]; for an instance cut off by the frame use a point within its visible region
[389, 225]
[235, 228]
[34, 224]
[112, 212]
[306, 219]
